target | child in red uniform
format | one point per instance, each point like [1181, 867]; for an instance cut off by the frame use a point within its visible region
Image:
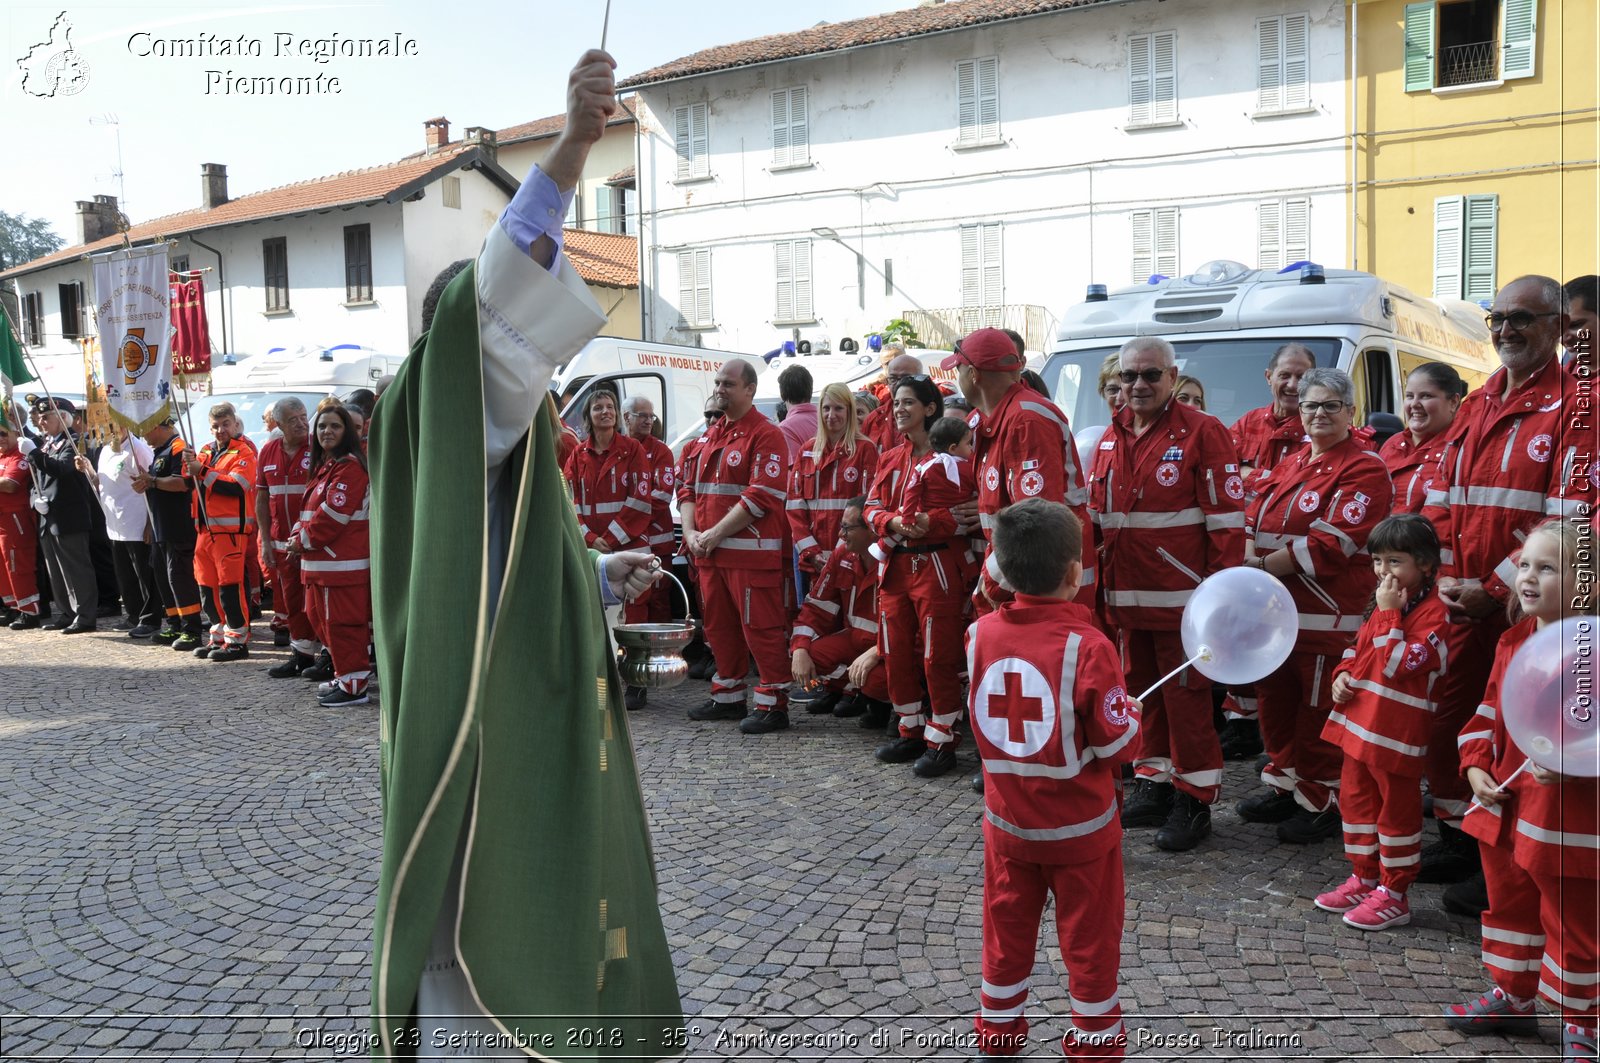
[944, 479]
[1537, 835]
[1054, 724]
[1383, 693]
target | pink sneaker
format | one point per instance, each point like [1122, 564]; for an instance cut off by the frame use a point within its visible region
[1379, 911]
[1345, 896]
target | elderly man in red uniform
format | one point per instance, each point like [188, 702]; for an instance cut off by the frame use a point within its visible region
[1169, 501]
[1513, 456]
[19, 532]
[879, 424]
[654, 606]
[835, 637]
[1022, 446]
[224, 474]
[732, 508]
[282, 469]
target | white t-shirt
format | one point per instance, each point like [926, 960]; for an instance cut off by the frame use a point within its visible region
[126, 510]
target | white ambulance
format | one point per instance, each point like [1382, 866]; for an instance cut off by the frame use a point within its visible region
[1226, 320]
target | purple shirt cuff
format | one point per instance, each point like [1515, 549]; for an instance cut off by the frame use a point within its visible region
[538, 209]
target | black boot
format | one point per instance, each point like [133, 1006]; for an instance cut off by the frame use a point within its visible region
[852, 704]
[298, 662]
[760, 723]
[1305, 826]
[1241, 739]
[1187, 824]
[1149, 804]
[1268, 806]
[634, 698]
[901, 750]
[1453, 858]
[935, 761]
[321, 670]
[1469, 897]
[876, 715]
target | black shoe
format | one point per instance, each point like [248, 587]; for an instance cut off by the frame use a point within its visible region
[1187, 824]
[1261, 763]
[230, 653]
[298, 662]
[935, 761]
[143, 631]
[321, 670]
[704, 668]
[8, 615]
[760, 723]
[123, 625]
[77, 627]
[188, 642]
[25, 622]
[718, 710]
[633, 698]
[976, 782]
[1241, 739]
[902, 750]
[876, 715]
[1453, 858]
[338, 699]
[60, 623]
[822, 705]
[1268, 806]
[205, 651]
[850, 705]
[1149, 805]
[1305, 827]
[281, 637]
[1469, 897]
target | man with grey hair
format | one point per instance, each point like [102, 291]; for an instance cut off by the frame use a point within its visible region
[1168, 500]
[281, 474]
[655, 605]
[224, 475]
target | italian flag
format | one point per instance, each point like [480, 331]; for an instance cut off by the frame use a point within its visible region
[13, 368]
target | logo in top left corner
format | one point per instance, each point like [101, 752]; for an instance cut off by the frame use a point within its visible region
[54, 67]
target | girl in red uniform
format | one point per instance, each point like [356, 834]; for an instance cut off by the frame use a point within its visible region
[1433, 395]
[836, 466]
[1384, 704]
[1540, 834]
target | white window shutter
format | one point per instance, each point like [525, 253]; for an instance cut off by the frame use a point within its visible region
[1479, 243]
[993, 281]
[1447, 244]
[1167, 241]
[699, 140]
[1269, 65]
[1518, 57]
[1269, 234]
[780, 128]
[1139, 92]
[1164, 77]
[1296, 62]
[799, 135]
[602, 209]
[702, 284]
[967, 101]
[1143, 246]
[1296, 230]
[574, 218]
[784, 310]
[685, 144]
[802, 281]
[971, 277]
[686, 287]
[988, 100]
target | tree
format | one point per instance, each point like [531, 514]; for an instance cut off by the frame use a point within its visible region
[23, 239]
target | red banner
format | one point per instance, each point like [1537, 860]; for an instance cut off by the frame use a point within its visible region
[191, 340]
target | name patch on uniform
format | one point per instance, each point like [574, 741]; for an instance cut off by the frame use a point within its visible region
[1108, 444]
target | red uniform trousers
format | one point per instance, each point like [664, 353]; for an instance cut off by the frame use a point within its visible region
[1382, 815]
[1513, 937]
[1089, 914]
[343, 615]
[19, 562]
[744, 618]
[1294, 703]
[1177, 740]
[923, 596]
[219, 569]
[1569, 909]
[289, 600]
[1471, 650]
[831, 656]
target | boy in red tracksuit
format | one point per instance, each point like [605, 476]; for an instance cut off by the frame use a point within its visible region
[1054, 724]
[942, 480]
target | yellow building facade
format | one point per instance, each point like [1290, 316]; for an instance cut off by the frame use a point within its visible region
[1475, 139]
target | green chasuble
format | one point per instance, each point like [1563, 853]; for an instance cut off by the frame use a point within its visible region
[507, 731]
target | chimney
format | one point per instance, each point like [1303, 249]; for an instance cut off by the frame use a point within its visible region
[213, 184]
[488, 145]
[97, 218]
[436, 131]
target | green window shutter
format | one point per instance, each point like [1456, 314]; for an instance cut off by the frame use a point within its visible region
[1419, 47]
[1517, 57]
[1482, 221]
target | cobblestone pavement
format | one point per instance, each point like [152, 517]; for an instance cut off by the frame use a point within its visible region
[190, 850]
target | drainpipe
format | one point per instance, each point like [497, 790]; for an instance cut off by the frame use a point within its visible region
[1355, 141]
[222, 294]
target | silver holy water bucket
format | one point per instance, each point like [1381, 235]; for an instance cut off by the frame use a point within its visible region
[651, 655]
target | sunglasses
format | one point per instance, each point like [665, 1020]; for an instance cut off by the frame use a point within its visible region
[712, 415]
[1517, 319]
[1149, 376]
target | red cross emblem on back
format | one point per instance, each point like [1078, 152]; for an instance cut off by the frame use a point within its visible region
[1016, 708]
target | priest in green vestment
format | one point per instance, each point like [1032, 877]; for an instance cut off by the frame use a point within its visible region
[517, 907]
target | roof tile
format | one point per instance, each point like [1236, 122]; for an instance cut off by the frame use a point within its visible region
[606, 259]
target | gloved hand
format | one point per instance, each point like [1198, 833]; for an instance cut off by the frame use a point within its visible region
[629, 573]
[42, 504]
[26, 445]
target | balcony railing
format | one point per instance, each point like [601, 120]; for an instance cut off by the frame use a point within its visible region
[1468, 64]
[941, 328]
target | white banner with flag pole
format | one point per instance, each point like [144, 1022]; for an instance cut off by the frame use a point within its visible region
[133, 317]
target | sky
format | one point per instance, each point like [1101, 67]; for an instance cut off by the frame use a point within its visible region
[490, 63]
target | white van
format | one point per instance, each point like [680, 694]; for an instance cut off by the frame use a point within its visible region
[1226, 320]
[254, 383]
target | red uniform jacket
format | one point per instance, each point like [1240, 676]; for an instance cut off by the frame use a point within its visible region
[1395, 664]
[1506, 467]
[16, 508]
[611, 492]
[1412, 467]
[283, 477]
[333, 525]
[740, 464]
[1169, 506]
[954, 564]
[1025, 449]
[1053, 723]
[1552, 831]
[228, 484]
[819, 487]
[1323, 509]
[663, 482]
[844, 594]
[1263, 441]
[879, 427]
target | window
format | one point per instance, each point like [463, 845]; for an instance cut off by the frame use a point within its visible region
[689, 130]
[791, 144]
[1283, 232]
[611, 209]
[1464, 247]
[574, 218]
[275, 268]
[33, 319]
[1469, 42]
[74, 310]
[452, 192]
[1155, 243]
[1282, 75]
[977, 102]
[358, 263]
[794, 283]
[694, 287]
[179, 264]
[982, 285]
[1153, 79]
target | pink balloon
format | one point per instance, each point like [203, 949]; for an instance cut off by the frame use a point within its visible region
[1245, 621]
[1547, 698]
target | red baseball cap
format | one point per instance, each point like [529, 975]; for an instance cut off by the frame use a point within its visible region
[988, 349]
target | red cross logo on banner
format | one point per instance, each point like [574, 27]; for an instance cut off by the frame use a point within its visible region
[1017, 709]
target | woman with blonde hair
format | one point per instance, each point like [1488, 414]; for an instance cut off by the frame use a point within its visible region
[835, 466]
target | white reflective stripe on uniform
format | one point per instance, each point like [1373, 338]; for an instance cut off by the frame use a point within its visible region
[1506, 963]
[750, 544]
[1399, 861]
[1403, 839]
[1566, 507]
[1567, 1000]
[1182, 518]
[838, 504]
[991, 568]
[335, 514]
[1499, 497]
[639, 504]
[308, 565]
[1360, 850]
[1573, 978]
[1372, 737]
[750, 507]
[286, 489]
[1160, 768]
[778, 494]
[1507, 571]
[1319, 622]
[1003, 991]
[664, 539]
[1088, 1008]
[1107, 752]
[863, 624]
[831, 608]
[1054, 834]
[1511, 937]
[1273, 541]
[1347, 544]
[802, 631]
[1220, 521]
[1394, 695]
[617, 533]
[701, 488]
[605, 507]
[986, 521]
[802, 545]
[1086, 580]
[1200, 778]
[1301, 551]
[1447, 556]
[1167, 556]
[1556, 837]
[1004, 1014]
[1149, 599]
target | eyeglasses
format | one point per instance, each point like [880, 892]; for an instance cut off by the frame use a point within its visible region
[1149, 376]
[851, 527]
[1313, 408]
[642, 416]
[1517, 319]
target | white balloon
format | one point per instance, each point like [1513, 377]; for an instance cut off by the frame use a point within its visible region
[1242, 623]
[1547, 698]
[1087, 439]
